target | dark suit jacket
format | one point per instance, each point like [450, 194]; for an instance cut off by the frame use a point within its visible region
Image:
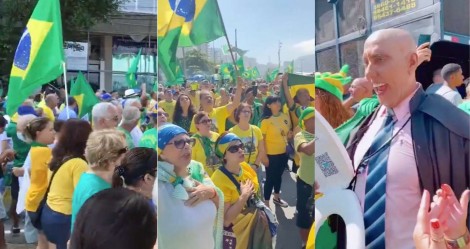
[441, 142]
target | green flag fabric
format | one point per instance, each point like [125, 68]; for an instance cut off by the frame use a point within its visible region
[84, 95]
[240, 66]
[202, 22]
[39, 56]
[271, 76]
[131, 76]
[255, 73]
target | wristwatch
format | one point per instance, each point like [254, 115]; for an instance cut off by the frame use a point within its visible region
[460, 242]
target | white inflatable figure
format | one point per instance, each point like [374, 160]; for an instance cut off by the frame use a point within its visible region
[333, 173]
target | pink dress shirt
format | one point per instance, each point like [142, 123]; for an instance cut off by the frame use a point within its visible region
[403, 192]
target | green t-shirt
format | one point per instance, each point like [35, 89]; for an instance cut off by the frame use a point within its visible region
[129, 141]
[306, 170]
[149, 139]
[21, 148]
[465, 106]
[88, 185]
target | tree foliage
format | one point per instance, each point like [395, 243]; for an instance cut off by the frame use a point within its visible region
[77, 16]
[198, 62]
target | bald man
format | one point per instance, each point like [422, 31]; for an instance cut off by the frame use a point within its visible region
[359, 89]
[430, 143]
[51, 102]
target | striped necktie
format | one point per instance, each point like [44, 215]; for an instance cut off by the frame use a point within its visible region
[374, 204]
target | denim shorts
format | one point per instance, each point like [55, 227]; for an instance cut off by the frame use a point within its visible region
[56, 226]
[304, 192]
[3, 213]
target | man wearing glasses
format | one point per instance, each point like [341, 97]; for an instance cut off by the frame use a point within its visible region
[105, 116]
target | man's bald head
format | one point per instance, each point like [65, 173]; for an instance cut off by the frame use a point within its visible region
[391, 60]
[400, 38]
[52, 100]
[363, 82]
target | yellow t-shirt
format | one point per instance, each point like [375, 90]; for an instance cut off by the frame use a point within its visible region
[151, 106]
[229, 189]
[251, 139]
[60, 194]
[218, 115]
[199, 155]
[169, 108]
[311, 238]
[40, 157]
[275, 130]
[306, 170]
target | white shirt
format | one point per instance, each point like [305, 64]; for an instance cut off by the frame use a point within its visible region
[451, 95]
[136, 135]
[181, 226]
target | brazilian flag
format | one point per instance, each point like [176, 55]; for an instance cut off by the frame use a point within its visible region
[202, 21]
[290, 67]
[169, 30]
[82, 92]
[39, 56]
[240, 66]
[131, 75]
[255, 73]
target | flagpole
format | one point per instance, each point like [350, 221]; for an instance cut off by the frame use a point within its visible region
[66, 91]
[228, 42]
[184, 64]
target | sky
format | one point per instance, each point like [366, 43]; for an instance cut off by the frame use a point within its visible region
[261, 24]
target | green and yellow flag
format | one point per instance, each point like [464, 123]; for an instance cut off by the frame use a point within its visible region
[271, 76]
[39, 56]
[290, 67]
[169, 30]
[240, 66]
[131, 75]
[84, 95]
[255, 73]
[202, 21]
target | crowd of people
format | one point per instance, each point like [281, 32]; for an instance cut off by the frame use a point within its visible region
[405, 143]
[208, 159]
[218, 152]
[222, 154]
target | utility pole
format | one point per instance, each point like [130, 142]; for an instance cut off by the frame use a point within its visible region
[279, 55]
[236, 46]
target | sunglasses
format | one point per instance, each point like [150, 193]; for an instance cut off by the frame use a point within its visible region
[179, 144]
[235, 148]
[115, 118]
[142, 109]
[206, 121]
[160, 114]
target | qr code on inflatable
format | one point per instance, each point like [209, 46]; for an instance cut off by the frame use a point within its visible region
[327, 165]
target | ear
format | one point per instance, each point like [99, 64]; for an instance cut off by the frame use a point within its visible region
[413, 62]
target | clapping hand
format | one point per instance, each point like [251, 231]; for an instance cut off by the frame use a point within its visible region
[445, 220]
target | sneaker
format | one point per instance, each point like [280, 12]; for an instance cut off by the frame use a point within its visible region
[280, 202]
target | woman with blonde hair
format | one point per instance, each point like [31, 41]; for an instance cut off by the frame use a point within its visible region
[41, 132]
[104, 151]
